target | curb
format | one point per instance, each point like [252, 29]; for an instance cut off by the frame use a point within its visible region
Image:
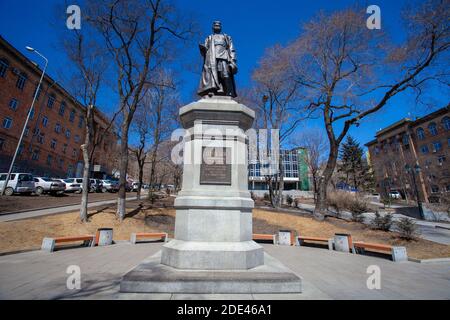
[428, 261]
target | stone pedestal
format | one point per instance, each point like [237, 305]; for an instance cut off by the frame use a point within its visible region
[213, 225]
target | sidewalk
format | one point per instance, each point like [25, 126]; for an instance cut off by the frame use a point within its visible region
[326, 275]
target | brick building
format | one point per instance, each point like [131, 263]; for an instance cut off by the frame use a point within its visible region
[423, 144]
[55, 131]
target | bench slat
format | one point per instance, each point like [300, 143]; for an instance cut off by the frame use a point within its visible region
[150, 235]
[313, 239]
[75, 238]
[376, 246]
[259, 236]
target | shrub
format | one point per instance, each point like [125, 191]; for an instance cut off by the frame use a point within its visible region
[383, 223]
[341, 200]
[296, 202]
[407, 228]
[357, 217]
[289, 200]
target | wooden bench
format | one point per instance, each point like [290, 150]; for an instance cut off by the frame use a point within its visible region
[264, 237]
[48, 244]
[329, 241]
[135, 237]
[397, 253]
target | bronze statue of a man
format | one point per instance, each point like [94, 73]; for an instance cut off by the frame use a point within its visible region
[219, 64]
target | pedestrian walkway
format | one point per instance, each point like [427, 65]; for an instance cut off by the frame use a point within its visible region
[50, 211]
[326, 275]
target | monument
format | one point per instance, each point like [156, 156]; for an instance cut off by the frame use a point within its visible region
[213, 250]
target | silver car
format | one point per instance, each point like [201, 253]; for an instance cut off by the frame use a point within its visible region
[18, 183]
[48, 185]
[72, 185]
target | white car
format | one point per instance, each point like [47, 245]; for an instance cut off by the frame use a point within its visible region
[48, 185]
[18, 183]
[110, 186]
[72, 185]
[395, 195]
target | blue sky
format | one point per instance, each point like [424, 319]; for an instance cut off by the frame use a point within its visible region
[254, 26]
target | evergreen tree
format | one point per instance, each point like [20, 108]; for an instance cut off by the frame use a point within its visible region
[352, 164]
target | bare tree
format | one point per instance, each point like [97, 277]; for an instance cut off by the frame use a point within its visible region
[138, 35]
[90, 66]
[349, 72]
[316, 145]
[273, 96]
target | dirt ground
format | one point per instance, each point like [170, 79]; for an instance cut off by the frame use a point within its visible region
[27, 234]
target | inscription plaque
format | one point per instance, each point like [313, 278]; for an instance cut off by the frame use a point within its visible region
[214, 168]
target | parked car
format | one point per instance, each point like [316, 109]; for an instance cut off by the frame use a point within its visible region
[72, 185]
[18, 183]
[95, 185]
[395, 195]
[110, 186]
[129, 186]
[135, 186]
[48, 185]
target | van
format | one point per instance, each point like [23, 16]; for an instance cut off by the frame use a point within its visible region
[18, 183]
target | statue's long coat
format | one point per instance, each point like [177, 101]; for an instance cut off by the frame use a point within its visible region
[209, 81]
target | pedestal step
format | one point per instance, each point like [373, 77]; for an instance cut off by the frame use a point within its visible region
[153, 277]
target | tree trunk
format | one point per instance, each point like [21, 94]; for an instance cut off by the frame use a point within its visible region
[123, 165]
[141, 176]
[85, 195]
[321, 204]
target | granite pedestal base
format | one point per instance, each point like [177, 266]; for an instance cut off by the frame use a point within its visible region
[153, 277]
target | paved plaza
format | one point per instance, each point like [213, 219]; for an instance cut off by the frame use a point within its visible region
[326, 275]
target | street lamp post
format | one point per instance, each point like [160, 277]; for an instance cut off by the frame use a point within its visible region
[413, 172]
[27, 119]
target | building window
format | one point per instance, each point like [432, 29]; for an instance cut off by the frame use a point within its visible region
[7, 123]
[447, 188]
[40, 138]
[74, 152]
[35, 155]
[446, 123]
[20, 149]
[77, 138]
[434, 189]
[57, 128]
[64, 148]
[21, 80]
[31, 113]
[441, 160]
[67, 133]
[72, 116]
[420, 134]
[27, 131]
[405, 139]
[433, 129]
[62, 108]
[437, 146]
[51, 101]
[13, 104]
[61, 163]
[4, 64]
[53, 144]
[44, 121]
[70, 171]
[38, 93]
[424, 149]
[49, 159]
[2, 143]
[80, 122]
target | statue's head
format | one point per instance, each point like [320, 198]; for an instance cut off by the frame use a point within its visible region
[217, 26]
